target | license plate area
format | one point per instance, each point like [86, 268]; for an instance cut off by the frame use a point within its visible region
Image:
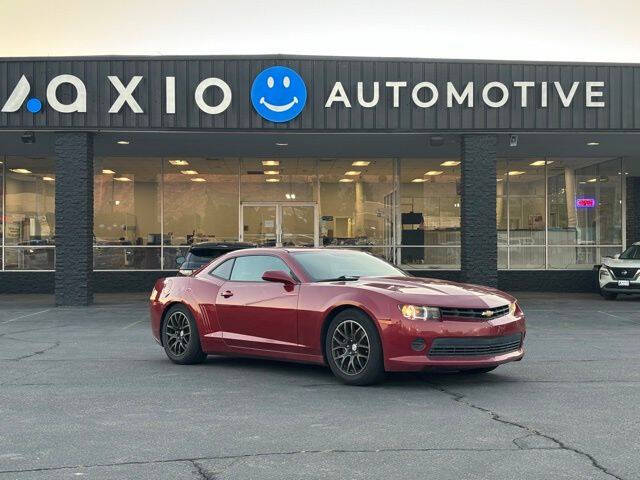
[623, 283]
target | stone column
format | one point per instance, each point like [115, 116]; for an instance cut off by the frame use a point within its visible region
[74, 218]
[633, 210]
[479, 239]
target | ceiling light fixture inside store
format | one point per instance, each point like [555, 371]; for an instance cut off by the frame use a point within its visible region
[270, 163]
[541, 163]
[48, 179]
[271, 172]
[593, 144]
[123, 142]
[198, 179]
[346, 180]
[432, 173]
[280, 144]
[361, 163]
[106, 171]
[290, 196]
[418, 180]
[188, 172]
[122, 179]
[450, 163]
[272, 180]
[592, 180]
[513, 173]
[179, 163]
[353, 173]
[20, 170]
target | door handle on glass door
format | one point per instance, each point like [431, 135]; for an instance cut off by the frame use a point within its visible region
[227, 294]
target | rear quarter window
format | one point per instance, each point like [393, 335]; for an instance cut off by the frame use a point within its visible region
[223, 270]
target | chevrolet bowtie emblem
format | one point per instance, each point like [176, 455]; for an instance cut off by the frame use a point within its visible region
[487, 313]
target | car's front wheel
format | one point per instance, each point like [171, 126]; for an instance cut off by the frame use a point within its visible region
[353, 348]
[180, 337]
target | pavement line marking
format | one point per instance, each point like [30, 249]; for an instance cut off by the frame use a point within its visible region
[614, 316]
[24, 316]
[132, 324]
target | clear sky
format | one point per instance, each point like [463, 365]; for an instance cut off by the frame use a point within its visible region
[552, 30]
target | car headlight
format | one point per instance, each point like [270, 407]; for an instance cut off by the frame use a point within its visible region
[513, 306]
[604, 272]
[418, 312]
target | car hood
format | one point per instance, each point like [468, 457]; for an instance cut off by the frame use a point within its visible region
[618, 263]
[434, 292]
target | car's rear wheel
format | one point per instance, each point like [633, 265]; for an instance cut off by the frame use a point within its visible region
[180, 337]
[353, 348]
[609, 296]
[476, 371]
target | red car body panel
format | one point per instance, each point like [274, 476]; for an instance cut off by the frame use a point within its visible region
[287, 322]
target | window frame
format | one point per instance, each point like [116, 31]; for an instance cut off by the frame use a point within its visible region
[290, 272]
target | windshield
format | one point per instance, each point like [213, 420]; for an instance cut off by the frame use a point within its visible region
[344, 265]
[631, 253]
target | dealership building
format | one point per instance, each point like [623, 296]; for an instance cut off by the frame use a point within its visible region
[519, 175]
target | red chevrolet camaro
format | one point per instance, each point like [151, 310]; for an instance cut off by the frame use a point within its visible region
[348, 309]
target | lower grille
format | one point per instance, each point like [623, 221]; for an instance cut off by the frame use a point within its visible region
[475, 346]
[483, 313]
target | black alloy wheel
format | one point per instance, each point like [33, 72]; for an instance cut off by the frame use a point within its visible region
[180, 337]
[353, 348]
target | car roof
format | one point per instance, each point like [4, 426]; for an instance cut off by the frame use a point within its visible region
[222, 245]
[299, 249]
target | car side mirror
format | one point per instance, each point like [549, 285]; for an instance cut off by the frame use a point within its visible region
[616, 256]
[180, 260]
[278, 276]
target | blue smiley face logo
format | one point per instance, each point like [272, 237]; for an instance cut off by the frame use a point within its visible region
[278, 94]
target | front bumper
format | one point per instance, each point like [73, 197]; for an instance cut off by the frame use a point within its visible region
[612, 286]
[400, 343]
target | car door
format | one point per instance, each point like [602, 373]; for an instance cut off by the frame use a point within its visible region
[257, 314]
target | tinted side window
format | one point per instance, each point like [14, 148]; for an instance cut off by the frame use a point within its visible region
[223, 270]
[251, 268]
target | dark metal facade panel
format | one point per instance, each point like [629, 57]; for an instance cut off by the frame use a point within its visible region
[621, 94]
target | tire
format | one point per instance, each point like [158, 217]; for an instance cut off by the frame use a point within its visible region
[180, 337]
[478, 371]
[609, 296]
[353, 348]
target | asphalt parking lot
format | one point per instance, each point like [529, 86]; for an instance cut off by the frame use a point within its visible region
[87, 393]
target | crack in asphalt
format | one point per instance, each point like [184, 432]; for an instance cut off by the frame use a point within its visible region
[37, 352]
[460, 398]
[202, 471]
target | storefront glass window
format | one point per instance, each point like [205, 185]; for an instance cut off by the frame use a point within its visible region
[430, 213]
[29, 213]
[356, 197]
[563, 213]
[585, 211]
[127, 213]
[200, 203]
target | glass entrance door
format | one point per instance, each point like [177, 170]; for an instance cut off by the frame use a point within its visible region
[276, 224]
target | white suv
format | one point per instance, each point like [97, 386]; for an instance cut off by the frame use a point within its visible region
[621, 274]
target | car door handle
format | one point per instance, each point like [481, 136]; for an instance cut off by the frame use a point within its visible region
[227, 294]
